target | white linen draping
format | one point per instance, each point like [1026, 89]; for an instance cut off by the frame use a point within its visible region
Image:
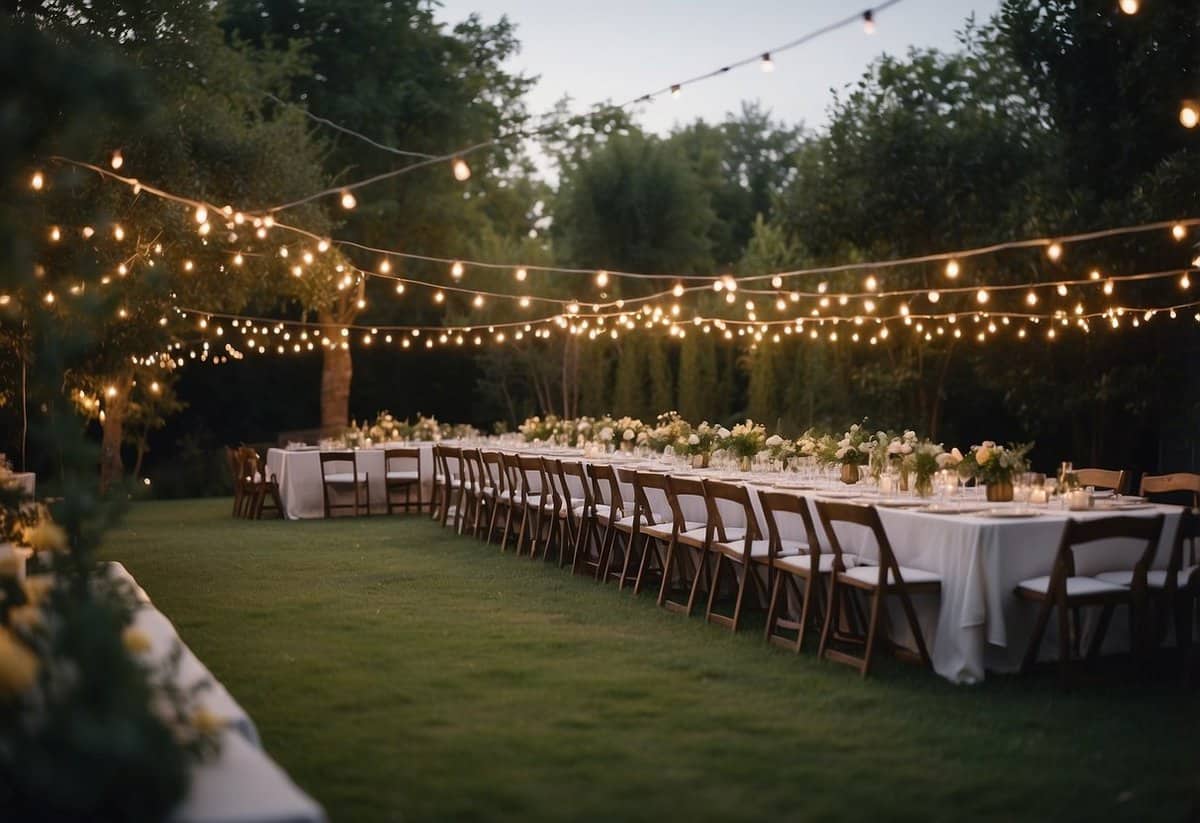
[299, 474]
[241, 784]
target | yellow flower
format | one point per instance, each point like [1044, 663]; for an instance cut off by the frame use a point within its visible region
[18, 665]
[205, 722]
[25, 617]
[46, 535]
[983, 455]
[136, 641]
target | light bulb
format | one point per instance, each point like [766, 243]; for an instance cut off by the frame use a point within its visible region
[117, 160]
[456, 270]
[37, 181]
[678, 290]
[1031, 298]
[777, 282]
[1129, 6]
[767, 64]
[438, 297]
[524, 302]
[982, 295]
[1062, 290]
[462, 171]
[1185, 282]
[201, 214]
[348, 200]
[399, 288]
[871, 283]
[55, 234]
[934, 297]
[1108, 287]
[676, 91]
[384, 266]
[323, 246]
[1054, 251]
[868, 22]
[478, 301]
[521, 274]
[952, 269]
[601, 278]
[1189, 114]
[1179, 231]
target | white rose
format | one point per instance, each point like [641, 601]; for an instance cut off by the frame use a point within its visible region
[893, 447]
[774, 440]
[844, 442]
[840, 453]
[694, 440]
[628, 435]
[606, 433]
[722, 432]
[906, 449]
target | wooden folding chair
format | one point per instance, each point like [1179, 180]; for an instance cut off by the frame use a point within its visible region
[471, 494]
[889, 578]
[578, 499]
[263, 489]
[684, 565]
[1068, 592]
[1172, 488]
[733, 548]
[496, 491]
[450, 462]
[795, 570]
[1102, 479]
[592, 552]
[237, 475]
[402, 472]
[333, 478]
[536, 503]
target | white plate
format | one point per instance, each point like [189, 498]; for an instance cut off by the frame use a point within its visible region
[838, 495]
[900, 504]
[1018, 514]
[1115, 506]
[938, 509]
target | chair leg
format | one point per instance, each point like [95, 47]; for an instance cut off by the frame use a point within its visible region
[873, 630]
[1064, 643]
[668, 568]
[832, 614]
[910, 615]
[1097, 640]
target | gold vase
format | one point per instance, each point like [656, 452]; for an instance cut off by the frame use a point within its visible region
[699, 461]
[849, 473]
[1000, 492]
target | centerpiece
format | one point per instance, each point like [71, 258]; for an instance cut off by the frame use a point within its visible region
[745, 440]
[700, 443]
[995, 466]
[850, 452]
[926, 460]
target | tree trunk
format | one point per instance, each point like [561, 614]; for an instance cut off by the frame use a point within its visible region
[336, 371]
[113, 428]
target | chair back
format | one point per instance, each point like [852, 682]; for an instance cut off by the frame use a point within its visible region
[605, 488]
[512, 475]
[778, 504]
[1102, 479]
[450, 459]
[408, 458]
[679, 491]
[650, 498]
[1172, 486]
[493, 469]
[331, 460]
[1183, 550]
[552, 476]
[1115, 543]
[832, 512]
[472, 469]
[625, 484]
[726, 501]
[532, 476]
[574, 481]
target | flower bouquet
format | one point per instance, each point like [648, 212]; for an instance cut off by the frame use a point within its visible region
[850, 452]
[745, 440]
[627, 430]
[925, 460]
[995, 466]
[700, 444]
[781, 449]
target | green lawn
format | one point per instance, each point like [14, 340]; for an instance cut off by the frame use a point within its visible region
[399, 672]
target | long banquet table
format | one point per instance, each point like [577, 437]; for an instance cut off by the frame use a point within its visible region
[977, 623]
[299, 474]
[241, 784]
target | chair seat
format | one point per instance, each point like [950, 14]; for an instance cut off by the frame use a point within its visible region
[870, 574]
[663, 530]
[802, 563]
[344, 477]
[403, 476]
[1076, 586]
[759, 549]
[1155, 578]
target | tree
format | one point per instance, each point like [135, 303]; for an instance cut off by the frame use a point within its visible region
[392, 72]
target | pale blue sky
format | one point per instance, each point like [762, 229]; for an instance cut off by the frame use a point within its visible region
[619, 49]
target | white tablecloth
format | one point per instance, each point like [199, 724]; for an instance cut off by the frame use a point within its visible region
[241, 784]
[977, 623]
[299, 474]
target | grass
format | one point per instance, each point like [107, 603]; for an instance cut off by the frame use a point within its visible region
[399, 672]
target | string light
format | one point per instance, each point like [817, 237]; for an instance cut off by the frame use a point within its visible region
[868, 18]
[117, 160]
[952, 269]
[439, 297]
[462, 172]
[37, 181]
[1129, 6]
[676, 90]
[1185, 282]
[767, 64]
[601, 278]
[934, 297]
[982, 296]
[1189, 114]
[1054, 252]
[1179, 231]
[349, 201]
[201, 214]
